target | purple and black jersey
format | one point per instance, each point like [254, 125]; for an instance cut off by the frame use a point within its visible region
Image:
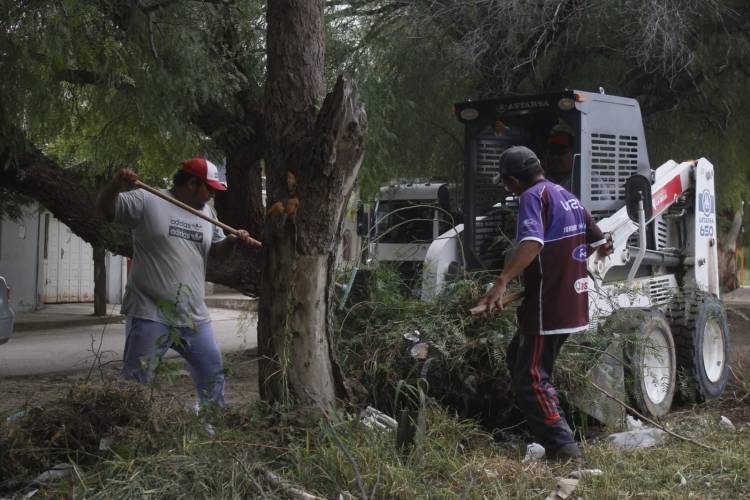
[556, 284]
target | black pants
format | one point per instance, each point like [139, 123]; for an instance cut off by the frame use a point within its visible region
[530, 362]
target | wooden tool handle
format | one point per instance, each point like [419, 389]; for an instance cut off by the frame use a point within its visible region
[197, 213]
[506, 300]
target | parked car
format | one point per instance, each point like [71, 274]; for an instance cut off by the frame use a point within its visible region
[7, 316]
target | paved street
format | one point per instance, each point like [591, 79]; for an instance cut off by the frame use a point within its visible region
[73, 348]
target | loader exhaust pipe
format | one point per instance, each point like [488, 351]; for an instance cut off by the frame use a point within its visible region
[641, 242]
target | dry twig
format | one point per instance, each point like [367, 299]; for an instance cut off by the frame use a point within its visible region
[653, 422]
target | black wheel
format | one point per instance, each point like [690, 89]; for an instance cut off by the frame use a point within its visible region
[703, 346]
[651, 370]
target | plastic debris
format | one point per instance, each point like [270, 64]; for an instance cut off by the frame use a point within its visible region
[16, 416]
[581, 473]
[645, 437]
[727, 424]
[564, 488]
[105, 443]
[534, 451]
[376, 419]
[633, 423]
[491, 474]
[419, 351]
[681, 478]
[59, 471]
[412, 336]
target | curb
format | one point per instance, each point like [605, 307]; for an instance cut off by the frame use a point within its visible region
[52, 324]
[248, 304]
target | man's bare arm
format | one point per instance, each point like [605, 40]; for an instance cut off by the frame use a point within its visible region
[524, 255]
[107, 198]
[224, 248]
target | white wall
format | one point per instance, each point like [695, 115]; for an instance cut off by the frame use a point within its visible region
[21, 261]
[66, 275]
[68, 263]
[116, 277]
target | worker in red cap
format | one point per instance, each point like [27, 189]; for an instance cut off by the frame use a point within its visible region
[164, 297]
[558, 158]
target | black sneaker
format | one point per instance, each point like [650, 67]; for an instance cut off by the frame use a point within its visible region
[568, 452]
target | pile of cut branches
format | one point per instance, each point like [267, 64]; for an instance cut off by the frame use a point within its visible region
[73, 428]
[395, 345]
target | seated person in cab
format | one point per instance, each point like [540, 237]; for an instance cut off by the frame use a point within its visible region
[558, 158]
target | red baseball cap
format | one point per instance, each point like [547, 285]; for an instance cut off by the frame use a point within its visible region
[204, 169]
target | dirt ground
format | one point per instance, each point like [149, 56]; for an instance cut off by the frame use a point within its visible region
[241, 383]
[242, 377]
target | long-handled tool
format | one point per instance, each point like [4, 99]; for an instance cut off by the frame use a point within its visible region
[226, 228]
[506, 300]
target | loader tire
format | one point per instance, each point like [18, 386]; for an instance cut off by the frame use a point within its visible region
[651, 366]
[701, 335]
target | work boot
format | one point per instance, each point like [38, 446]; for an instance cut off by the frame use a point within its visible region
[568, 452]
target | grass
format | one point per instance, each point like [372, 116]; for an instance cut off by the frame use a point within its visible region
[162, 450]
[456, 459]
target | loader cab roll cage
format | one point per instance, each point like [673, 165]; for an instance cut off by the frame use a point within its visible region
[608, 147]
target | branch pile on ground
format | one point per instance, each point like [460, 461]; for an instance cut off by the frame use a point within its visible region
[71, 429]
[391, 344]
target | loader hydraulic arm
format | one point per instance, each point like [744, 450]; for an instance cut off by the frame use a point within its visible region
[671, 181]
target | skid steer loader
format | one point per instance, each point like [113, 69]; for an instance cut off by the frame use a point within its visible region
[661, 280]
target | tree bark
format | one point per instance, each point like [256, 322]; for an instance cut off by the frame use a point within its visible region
[241, 206]
[100, 281]
[312, 159]
[728, 253]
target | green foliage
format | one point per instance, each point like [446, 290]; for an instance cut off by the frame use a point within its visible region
[113, 83]
[683, 61]
[408, 87]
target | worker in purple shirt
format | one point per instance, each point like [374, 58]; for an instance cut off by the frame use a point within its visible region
[554, 235]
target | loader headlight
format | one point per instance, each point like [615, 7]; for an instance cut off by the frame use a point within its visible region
[469, 114]
[566, 104]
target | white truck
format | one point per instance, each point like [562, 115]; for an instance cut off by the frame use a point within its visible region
[661, 279]
[407, 217]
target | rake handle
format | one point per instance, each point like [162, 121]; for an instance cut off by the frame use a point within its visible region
[506, 300]
[197, 213]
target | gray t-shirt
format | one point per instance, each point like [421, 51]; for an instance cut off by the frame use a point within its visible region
[170, 250]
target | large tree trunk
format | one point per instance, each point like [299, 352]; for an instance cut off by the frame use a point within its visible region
[728, 252]
[313, 158]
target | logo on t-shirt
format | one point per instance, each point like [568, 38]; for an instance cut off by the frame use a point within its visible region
[572, 204]
[581, 285]
[192, 231]
[580, 253]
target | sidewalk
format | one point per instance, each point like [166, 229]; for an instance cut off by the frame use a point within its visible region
[739, 297]
[82, 314]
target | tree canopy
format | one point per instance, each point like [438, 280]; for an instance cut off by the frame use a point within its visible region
[686, 62]
[94, 85]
